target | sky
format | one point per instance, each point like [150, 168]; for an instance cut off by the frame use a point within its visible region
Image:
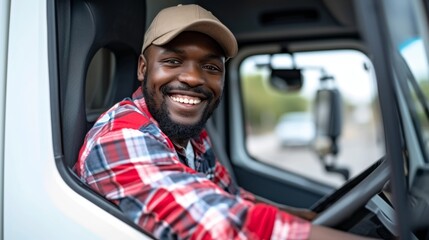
[414, 53]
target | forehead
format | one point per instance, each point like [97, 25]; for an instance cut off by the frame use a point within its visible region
[194, 40]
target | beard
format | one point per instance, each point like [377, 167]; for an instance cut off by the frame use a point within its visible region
[172, 129]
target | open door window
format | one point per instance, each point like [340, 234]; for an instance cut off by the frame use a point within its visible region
[321, 121]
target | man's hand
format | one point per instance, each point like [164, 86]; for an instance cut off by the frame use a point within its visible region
[300, 212]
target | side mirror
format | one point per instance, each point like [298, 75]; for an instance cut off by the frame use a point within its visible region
[328, 122]
[328, 113]
[286, 80]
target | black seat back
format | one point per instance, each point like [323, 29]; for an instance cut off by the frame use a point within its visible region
[84, 27]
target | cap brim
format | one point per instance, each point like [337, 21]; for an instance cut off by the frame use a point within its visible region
[213, 29]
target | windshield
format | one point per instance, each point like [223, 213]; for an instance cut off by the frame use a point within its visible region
[413, 52]
[409, 37]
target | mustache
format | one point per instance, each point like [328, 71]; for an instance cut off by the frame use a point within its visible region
[183, 87]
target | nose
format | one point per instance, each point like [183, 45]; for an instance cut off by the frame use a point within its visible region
[192, 75]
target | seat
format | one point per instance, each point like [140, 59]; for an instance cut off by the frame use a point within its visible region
[84, 27]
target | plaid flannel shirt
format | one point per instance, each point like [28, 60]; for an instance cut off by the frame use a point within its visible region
[130, 161]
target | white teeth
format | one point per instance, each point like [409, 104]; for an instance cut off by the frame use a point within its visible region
[193, 101]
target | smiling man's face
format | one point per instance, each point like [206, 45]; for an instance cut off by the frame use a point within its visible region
[183, 83]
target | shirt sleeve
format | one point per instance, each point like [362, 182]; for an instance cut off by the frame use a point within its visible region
[223, 179]
[140, 173]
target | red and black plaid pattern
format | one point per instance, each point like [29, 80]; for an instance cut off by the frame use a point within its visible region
[130, 161]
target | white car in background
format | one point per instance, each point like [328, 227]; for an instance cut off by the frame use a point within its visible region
[296, 129]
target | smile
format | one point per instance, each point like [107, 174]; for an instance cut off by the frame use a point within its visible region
[186, 99]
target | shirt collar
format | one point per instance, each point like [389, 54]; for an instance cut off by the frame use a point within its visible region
[141, 103]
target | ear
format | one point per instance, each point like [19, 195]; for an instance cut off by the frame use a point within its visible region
[141, 68]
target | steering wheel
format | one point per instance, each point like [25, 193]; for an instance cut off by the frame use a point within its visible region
[340, 205]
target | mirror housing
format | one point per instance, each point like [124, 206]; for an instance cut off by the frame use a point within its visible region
[328, 113]
[286, 80]
[328, 122]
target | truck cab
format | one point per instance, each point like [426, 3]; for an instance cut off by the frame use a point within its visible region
[326, 107]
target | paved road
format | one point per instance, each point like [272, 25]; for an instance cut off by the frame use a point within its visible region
[358, 150]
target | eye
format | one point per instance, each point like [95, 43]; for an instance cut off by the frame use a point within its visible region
[212, 68]
[172, 61]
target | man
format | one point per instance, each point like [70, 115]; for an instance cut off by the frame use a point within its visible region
[152, 157]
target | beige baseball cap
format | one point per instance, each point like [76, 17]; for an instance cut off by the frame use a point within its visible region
[172, 21]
